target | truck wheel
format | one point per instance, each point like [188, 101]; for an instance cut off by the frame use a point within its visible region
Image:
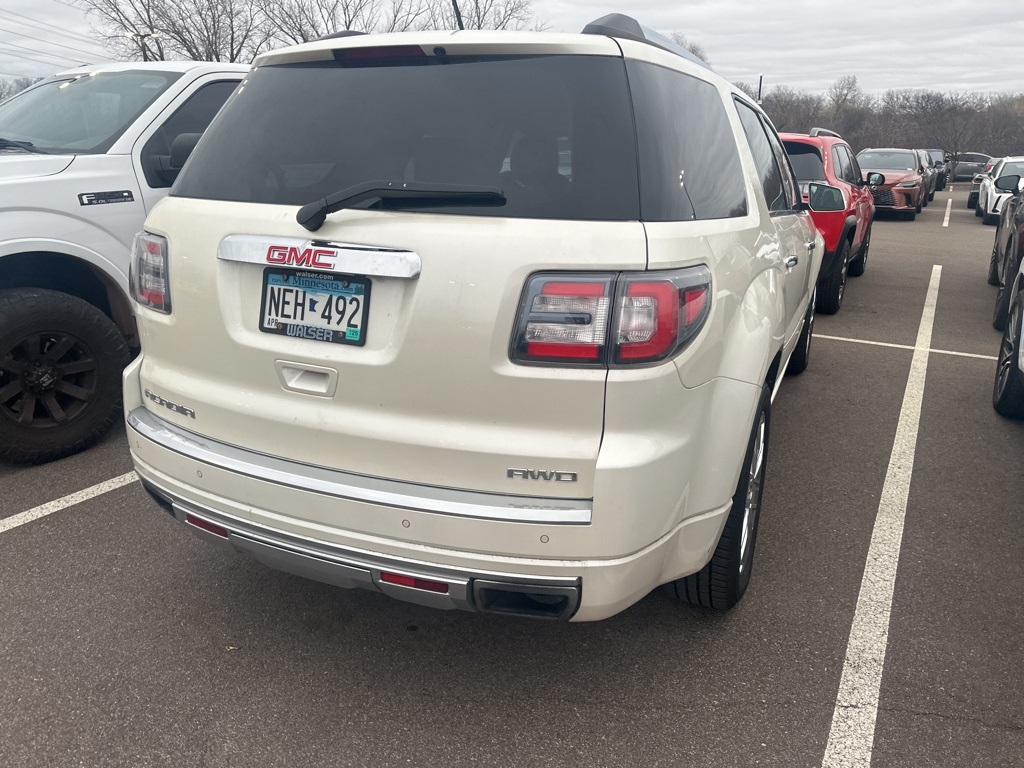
[721, 583]
[60, 374]
[1008, 390]
[858, 265]
[830, 297]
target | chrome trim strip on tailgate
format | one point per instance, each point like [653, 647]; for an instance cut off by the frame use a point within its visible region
[320, 255]
[361, 488]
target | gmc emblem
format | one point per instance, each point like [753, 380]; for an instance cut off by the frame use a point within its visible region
[558, 476]
[289, 255]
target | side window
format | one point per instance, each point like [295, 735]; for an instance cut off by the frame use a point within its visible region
[842, 161]
[191, 117]
[689, 163]
[855, 173]
[764, 159]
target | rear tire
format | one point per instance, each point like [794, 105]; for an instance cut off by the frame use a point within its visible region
[993, 268]
[858, 265]
[722, 582]
[830, 295]
[60, 375]
[1002, 305]
[990, 218]
[802, 354]
[972, 199]
[1008, 389]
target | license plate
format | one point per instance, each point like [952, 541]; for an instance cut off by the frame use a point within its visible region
[321, 306]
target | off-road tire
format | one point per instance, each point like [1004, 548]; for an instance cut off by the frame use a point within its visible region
[858, 265]
[61, 357]
[1008, 388]
[721, 583]
[830, 292]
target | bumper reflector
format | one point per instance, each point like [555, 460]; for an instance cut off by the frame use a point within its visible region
[415, 583]
[206, 525]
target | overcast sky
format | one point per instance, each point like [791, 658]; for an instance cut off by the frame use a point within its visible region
[805, 44]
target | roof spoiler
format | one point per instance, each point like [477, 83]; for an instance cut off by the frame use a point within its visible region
[341, 33]
[628, 28]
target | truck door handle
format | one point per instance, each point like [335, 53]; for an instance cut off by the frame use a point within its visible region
[792, 261]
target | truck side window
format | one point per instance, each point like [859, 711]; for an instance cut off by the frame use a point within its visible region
[191, 117]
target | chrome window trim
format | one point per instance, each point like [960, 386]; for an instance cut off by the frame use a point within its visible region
[361, 488]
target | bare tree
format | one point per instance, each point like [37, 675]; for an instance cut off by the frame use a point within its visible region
[10, 87]
[479, 14]
[693, 47]
[211, 30]
[299, 21]
[795, 111]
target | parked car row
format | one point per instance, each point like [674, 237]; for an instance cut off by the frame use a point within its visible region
[1006, 272]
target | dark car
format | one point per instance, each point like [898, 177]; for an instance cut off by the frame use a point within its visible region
[967, 164]
[904, 188]
[824, 156]
[942, 165]
[1007, 250]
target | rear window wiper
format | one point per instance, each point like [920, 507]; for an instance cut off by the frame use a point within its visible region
[28, 146]
[313, 216]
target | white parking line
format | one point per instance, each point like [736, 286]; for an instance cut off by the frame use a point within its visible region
[67, 501]
[904, 346]
[949, 207]
[852, 734]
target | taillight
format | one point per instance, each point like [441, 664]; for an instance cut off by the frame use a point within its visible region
[148, 272]
[618, 320]
[563, 318]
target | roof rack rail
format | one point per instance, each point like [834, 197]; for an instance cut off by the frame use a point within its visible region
[341, 33]
[628, 28]
[824, 132]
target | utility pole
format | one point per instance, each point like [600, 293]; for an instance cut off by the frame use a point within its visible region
[140, 37]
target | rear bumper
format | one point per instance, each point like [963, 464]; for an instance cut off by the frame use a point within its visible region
[576, 589]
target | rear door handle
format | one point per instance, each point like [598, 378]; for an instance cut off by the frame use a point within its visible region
[792, 261]
[809, 245]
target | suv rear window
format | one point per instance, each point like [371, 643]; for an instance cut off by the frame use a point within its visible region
[555, 133]
[806, 161]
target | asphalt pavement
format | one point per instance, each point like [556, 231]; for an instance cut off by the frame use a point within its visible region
[125, 641]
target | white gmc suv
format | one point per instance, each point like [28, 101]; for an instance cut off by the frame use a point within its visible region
[479, 320]
[84, 155]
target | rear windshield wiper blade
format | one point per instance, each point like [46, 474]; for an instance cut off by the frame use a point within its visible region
[28, 146]
[312, 216]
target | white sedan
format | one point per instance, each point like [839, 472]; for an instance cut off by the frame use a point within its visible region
[990, 199]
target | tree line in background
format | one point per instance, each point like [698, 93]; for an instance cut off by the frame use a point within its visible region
[913, 118]
[238, 30]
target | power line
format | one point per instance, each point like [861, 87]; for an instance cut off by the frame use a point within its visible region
[60, 45]
[33, 50]
[52, 64]
[28, 21]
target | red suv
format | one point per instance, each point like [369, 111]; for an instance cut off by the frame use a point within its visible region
[823, 156]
